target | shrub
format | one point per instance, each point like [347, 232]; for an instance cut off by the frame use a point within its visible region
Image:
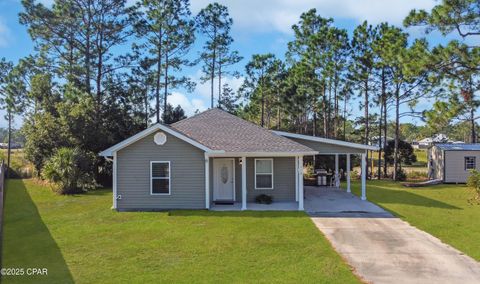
[70, 171]
[263, 199]
[473, 182]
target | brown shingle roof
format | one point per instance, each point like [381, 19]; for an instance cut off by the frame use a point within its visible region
[219, 130]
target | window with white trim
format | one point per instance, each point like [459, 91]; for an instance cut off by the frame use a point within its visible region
[160, 178]
[470, 163]
[263, 173]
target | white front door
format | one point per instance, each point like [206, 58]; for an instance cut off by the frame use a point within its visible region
[223, 179]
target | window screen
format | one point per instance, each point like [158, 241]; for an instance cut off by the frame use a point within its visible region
[470, 163]
[160, 177]
[263, 173]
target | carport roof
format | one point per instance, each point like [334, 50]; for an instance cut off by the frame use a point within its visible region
[328, 141]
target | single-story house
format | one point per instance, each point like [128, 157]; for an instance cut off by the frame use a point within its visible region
[425, 143]
[452, 163]
[216, 158]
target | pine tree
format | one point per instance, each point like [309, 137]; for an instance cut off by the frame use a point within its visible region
[214, 23]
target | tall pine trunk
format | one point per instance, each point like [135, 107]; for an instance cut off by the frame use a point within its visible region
[385, 135]
[335, 110]
[165, 88]
[324, 109]
[88, 48]
[383, 98]
[9, 151]
[472, 121]
[219, 80]
[263, 100]
[212, 71]
[366, 122]
[397, 132]
[146, 104]
[380, 140]
[159, 74]
[345, 118]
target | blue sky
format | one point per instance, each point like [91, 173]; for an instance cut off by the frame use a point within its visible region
[260, 26]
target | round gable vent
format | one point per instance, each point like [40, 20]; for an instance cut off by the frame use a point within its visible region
[160, 138]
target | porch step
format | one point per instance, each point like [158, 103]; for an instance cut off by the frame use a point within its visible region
[223, 202]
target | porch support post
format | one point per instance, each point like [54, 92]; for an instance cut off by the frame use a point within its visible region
[244, 183]
[296, 178]
[300, 183]
[364, 176]
[207, 181]
[348, 173]
[336, 163]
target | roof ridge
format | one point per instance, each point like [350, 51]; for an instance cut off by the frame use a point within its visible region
[195, 115]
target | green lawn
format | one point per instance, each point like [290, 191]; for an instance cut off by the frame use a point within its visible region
[79, 239]
[441, 210]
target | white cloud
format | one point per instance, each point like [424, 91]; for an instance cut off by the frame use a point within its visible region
[200, 98]
[5, 34]
[190, 106]
[280, 15]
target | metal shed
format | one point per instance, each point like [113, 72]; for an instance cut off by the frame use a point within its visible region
[452, 163]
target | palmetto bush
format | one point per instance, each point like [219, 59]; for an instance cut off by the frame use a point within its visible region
[70, 171]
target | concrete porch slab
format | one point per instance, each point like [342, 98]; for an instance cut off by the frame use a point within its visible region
[275, 206]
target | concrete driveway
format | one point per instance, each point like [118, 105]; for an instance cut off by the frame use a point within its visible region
[384, 249]
[332, 200]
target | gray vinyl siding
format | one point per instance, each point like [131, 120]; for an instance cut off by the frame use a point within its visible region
[455, 165]
[436, 154]
[187, 177]
[283, 180]
[328, 148]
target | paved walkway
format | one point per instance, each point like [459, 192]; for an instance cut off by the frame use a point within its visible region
[384, 249]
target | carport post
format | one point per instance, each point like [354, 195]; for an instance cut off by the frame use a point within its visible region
[296, 178]
[364, 176]
[336, 164]
[244, 183]
[348, 173]
[300, 183]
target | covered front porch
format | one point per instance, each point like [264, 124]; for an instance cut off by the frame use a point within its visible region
[235, 183]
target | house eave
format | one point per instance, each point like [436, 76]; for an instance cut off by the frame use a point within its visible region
[259, 154]
[328, 141]
[156, 127]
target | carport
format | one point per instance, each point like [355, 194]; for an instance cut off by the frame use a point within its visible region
[335, 148]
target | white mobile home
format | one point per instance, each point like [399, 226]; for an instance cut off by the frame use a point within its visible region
[452, 163]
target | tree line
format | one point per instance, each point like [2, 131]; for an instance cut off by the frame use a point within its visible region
[380, 68]
[102, 71]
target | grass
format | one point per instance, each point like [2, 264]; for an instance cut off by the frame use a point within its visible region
[79, 239]
[421, 155]
[441, 210]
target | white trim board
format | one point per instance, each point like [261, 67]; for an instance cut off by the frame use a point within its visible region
[260, 154]
[327, 141]
[156, 127]
[169, 177]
